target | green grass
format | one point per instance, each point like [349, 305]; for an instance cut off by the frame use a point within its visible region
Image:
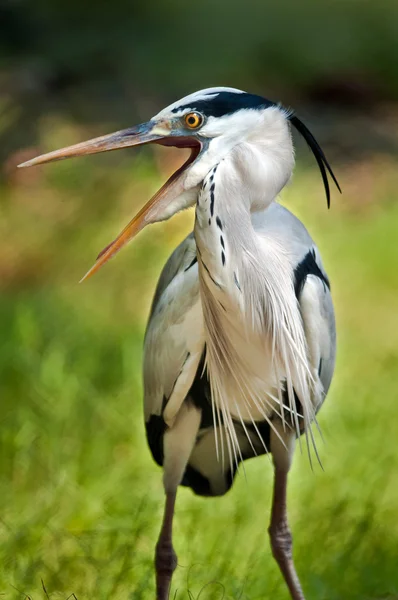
[80, 497]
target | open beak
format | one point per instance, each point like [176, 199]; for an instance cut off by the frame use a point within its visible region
[154, 210]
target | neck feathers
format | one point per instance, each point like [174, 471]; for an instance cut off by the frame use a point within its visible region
[256, 348]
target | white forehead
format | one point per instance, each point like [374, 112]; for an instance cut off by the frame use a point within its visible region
[206, 94]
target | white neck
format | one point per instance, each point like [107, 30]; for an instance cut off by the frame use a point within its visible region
[248, 179]
[253, 328]
[255, 154]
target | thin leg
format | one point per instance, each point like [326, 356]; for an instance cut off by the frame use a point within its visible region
[165, 557]
[281, 538]
[178, 442]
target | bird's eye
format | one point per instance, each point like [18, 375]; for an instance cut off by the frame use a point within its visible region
[193, 120]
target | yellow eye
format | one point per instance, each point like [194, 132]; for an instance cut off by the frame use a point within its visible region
[193, 120]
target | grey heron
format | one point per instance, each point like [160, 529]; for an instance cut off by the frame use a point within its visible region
[240, 344]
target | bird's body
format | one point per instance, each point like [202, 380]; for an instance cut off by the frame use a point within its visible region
[175, 341]
[240, 345]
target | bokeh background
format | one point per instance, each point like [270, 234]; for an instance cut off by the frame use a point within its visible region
[80, 497]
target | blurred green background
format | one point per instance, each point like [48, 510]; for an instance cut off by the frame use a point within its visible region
[80, 497]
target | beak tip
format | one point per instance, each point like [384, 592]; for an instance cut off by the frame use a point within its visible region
[86, 276]
[30, 163]
[96, 266]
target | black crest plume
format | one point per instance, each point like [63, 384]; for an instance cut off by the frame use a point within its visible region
[318, 153]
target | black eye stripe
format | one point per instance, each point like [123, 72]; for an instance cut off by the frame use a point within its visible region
[225, 103]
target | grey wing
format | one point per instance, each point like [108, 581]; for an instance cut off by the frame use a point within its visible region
[319, 325]
[312, 288]
[174, 339]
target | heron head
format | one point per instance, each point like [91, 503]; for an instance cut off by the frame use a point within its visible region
[211, 123]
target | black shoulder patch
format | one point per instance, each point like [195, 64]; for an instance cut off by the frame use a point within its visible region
[226, 103]
[308, 266]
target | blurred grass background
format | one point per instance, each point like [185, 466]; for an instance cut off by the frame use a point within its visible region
[80, 498]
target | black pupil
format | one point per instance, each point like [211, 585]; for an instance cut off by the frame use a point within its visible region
[192, 120]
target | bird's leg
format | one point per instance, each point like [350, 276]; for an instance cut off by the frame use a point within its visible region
[165, 557]
[178, 442]
[279, 531]
[281, 538]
